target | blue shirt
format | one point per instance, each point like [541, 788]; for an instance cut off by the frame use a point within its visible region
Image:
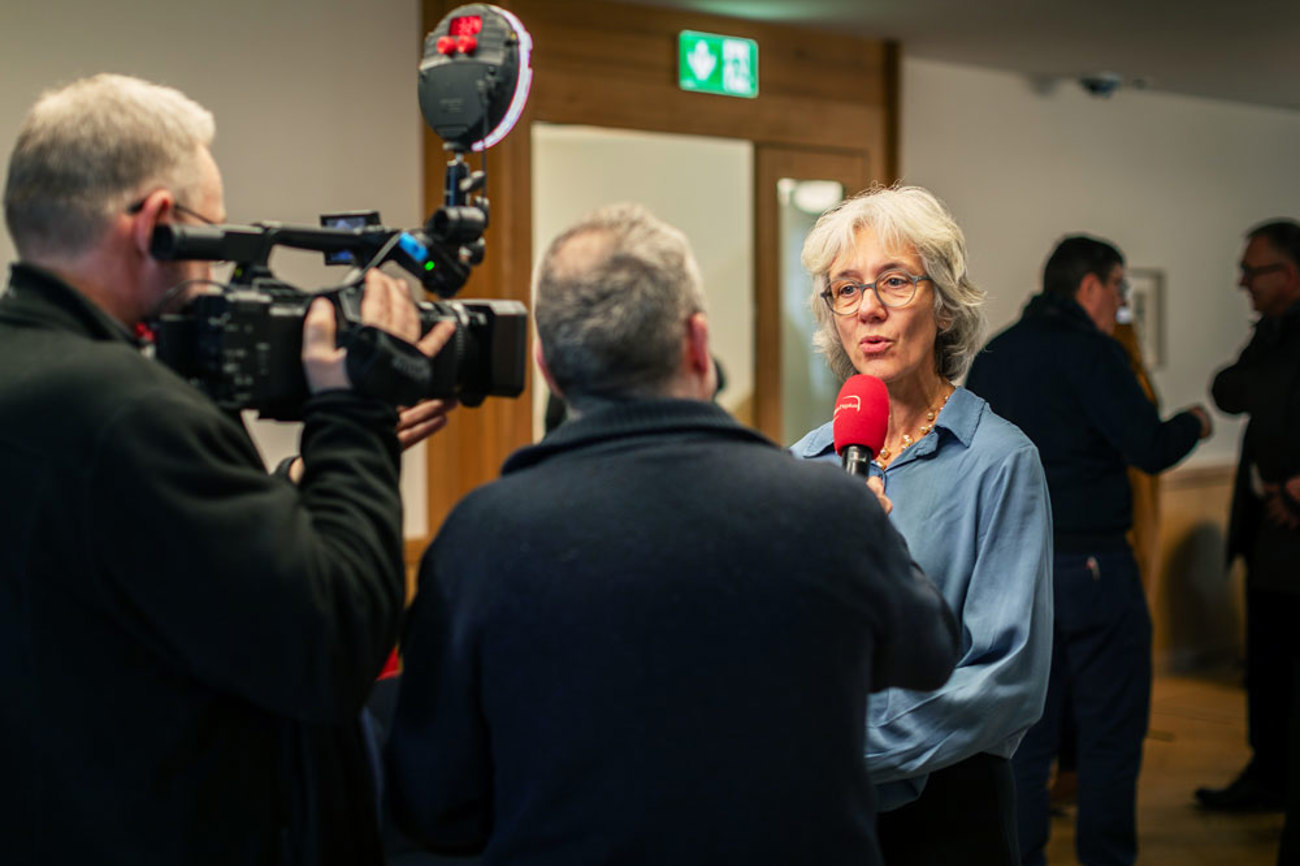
[971, 499]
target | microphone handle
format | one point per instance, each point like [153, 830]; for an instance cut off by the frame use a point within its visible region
[857, 459]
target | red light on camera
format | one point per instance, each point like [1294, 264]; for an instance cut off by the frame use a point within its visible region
[466, 25]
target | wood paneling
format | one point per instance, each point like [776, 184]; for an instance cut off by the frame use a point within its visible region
[592, 58]
[470, 449]
[615, 65]
[1195, 599]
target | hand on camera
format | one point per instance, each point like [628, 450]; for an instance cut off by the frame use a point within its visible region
[386, 305]
[419, 422]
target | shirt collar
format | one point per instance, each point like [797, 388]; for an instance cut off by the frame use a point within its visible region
[1060, 309]
[37, 296]
[637, 417]
[959, 416]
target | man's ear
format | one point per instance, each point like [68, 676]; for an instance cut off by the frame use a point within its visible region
[1089, 287]
[153, 209]
[697, 343]
[1293, 272]
[698, 360]
[540, 357]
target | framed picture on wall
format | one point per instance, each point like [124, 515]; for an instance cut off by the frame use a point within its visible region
[1146, 311]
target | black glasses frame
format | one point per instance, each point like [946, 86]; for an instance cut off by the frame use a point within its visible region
[1248, 273]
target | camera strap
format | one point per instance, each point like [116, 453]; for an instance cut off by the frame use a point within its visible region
[386, 367]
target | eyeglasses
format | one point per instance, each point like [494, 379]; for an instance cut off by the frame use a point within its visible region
[894, 288]
[1248, 273]
[138, 206]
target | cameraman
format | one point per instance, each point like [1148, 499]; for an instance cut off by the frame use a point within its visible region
[185, 641]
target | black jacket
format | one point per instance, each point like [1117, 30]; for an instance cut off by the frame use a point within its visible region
[1069, 387]
[1264, 383]
[651, 642]
[185, 640]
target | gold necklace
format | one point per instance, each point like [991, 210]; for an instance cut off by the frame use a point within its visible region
[883, 458]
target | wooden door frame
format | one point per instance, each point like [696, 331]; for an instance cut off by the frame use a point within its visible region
[611, 64]
[772, 163]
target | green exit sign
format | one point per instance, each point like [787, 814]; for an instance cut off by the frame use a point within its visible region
[710, 63]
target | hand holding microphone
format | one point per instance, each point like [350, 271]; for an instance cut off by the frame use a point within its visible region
[860, 423]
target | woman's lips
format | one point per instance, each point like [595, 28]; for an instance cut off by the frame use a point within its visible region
[874, 345]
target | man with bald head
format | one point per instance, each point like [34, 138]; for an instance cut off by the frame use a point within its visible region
[651, 641]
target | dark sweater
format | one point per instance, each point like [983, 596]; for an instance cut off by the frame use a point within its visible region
[185, 641]
[1069, 387]
[651, 642]
[1265, 384]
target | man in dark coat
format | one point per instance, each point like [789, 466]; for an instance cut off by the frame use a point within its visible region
[1060, 376]
[651, 641]
[186, 642]
[1264, 529]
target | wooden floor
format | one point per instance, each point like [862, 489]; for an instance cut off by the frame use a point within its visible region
[1197, 737]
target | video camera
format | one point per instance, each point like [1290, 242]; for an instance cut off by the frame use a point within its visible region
[242, 346]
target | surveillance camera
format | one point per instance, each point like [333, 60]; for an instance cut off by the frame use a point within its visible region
[1101, 84]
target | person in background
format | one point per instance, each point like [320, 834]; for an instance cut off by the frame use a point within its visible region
[1060, 376]
[893, 300]
[652, 639]
[1144, 538]
[1264, 529]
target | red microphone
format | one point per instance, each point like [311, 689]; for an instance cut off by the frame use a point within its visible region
[861, 420]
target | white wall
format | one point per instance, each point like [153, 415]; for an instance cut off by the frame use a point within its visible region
[315, 103]
[1173, 181]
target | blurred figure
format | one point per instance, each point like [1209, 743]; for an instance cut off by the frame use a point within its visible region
[1264, 529]
[651, 641]
[1144, 538]
[893, 300]
[1059, 376]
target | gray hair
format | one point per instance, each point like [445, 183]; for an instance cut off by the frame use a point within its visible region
[87, 150]
[899, 216]
[614, 292]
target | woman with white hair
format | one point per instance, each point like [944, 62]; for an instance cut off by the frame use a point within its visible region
[893, 300]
